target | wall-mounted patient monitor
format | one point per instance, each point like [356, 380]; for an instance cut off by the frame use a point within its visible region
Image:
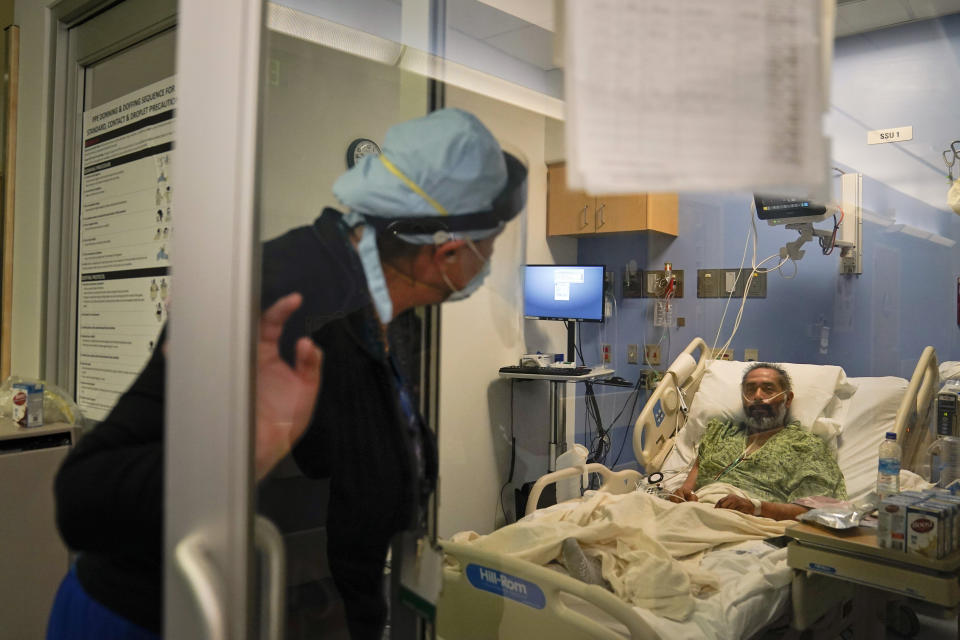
[779, 210]
[563, 292]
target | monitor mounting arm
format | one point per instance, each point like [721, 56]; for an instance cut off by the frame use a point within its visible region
[807, 232]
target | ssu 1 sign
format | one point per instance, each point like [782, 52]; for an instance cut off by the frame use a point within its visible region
[897, 134]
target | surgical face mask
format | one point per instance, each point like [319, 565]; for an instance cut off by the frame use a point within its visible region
[373, 270]
[475, 281]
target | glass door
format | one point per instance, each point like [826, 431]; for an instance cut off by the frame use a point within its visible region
[287, 99]
[208, 542]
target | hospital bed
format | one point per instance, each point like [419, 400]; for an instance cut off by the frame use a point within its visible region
[851, 414]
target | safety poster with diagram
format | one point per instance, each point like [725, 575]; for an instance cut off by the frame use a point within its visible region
[125, 227]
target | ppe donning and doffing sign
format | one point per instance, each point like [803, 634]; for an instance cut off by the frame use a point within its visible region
[124, 235]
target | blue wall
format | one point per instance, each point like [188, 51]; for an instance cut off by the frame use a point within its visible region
[880, 321]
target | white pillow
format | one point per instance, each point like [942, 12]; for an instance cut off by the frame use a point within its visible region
[866, 417]
[949, 369]
[817, 390]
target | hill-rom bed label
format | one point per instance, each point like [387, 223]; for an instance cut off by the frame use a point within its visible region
[506, 585]
[822, 568]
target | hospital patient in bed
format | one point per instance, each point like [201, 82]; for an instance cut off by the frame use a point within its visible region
[766, 462]
[647, 550]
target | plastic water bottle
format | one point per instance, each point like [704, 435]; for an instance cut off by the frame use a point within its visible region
[888, 471]
[569, 488]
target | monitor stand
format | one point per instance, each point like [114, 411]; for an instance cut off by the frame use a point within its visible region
[572, 341]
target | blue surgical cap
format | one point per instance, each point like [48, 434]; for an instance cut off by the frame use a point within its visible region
[443, 164]
[437, 177]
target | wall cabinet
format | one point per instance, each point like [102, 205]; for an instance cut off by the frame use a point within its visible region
[575, 213]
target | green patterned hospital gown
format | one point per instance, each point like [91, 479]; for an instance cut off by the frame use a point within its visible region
[792, 464]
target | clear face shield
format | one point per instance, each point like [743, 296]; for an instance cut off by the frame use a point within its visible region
[475, 282]
[483, 250]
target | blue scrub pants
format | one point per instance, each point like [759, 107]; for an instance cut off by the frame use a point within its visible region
[77, 616]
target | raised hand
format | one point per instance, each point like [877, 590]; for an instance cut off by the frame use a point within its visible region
[285, 395]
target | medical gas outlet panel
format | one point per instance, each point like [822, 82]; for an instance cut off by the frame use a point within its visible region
[652, 283]
[720, 283]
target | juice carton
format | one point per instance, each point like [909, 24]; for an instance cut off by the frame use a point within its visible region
[925, 529]
[892, 521]
[27, 404]
[954, 540]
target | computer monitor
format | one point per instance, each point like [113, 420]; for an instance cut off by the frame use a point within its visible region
[780, 210]
[563, 292]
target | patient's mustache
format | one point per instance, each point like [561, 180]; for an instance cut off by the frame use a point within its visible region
[760, 408]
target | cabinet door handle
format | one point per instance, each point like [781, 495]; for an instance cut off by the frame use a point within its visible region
[583, 214]
[599, 216]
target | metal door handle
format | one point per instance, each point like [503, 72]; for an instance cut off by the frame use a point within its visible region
[584, 214]
[269, 542]
[201, 576]
[600, 220]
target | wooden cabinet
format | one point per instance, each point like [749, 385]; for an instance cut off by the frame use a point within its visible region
[575, 213]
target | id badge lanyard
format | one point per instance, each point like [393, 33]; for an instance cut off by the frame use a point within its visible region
[417, 563]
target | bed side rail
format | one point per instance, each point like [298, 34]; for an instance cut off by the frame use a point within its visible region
[912, 423]
[613, 481]
[553, 583]
[661, 417]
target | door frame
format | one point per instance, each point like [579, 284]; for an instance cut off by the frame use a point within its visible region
[82, 32]
[209, 444]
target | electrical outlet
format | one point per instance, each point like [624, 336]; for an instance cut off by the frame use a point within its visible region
[605, 351]
[708, 283]
[721, 283]
[651, 354]
[632, 353]
[751, 355]
[719, 354]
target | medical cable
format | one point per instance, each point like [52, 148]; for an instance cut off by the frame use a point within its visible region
[753, 259]
[763, 400]
[513, 457]
[747, 451]
[578, 352]
[743, 302]
[635, 394]
[833, 237]
[743, 258]
[746, 289]
[587, 430]
[599, 445]
[796, 270]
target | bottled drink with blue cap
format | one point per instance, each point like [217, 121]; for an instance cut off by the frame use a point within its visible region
[888, 470]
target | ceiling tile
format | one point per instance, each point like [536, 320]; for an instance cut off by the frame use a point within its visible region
[530, 44]
[479, 20]
[873, 14]
[860, 16]
[932, 8]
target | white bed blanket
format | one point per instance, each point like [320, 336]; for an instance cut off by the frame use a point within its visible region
[754, 591]
[650, 549]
